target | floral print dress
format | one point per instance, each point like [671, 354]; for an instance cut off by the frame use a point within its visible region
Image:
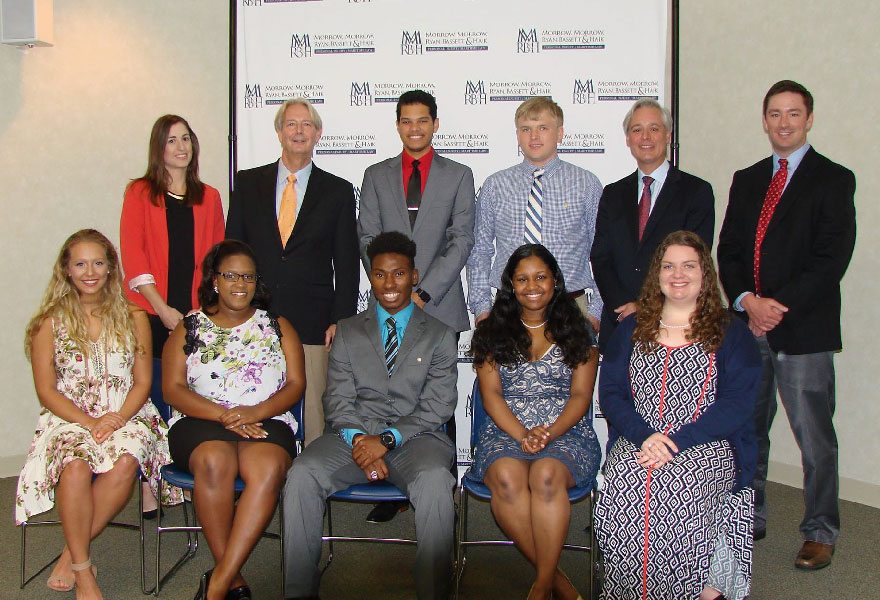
[97, 383]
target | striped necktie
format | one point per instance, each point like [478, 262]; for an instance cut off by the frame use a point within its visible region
[534, 210]
[391, 345]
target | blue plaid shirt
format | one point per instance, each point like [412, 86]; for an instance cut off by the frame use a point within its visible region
[570, 202]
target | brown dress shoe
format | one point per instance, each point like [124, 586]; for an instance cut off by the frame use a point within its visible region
[814, 555]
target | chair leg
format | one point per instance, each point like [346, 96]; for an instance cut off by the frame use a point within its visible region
[460, 548]
[281, 541]
[330, 534]
[22, 553]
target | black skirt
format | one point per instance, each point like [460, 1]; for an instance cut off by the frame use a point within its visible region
[187, 433]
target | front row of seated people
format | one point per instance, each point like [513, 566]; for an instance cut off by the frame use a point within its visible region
[677, 387]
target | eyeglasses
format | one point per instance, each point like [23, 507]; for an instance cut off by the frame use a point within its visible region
[232, 276]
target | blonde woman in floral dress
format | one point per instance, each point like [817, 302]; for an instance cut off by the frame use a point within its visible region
[90, 354]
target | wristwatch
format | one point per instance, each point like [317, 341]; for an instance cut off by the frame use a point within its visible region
[388, 440]
[425, 296]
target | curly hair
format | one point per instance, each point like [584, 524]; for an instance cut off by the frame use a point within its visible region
[708, 321]
[61, 300]
[157, 176]
[211, 268]
[503, 339]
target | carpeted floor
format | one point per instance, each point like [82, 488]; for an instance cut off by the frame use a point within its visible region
[366, 571]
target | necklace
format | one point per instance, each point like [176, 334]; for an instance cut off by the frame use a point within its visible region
[533, 326]
[664, 325]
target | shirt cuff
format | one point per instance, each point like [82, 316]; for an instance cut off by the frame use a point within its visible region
[398, 439]
[737, 304]
[347, 435]
[136, 282]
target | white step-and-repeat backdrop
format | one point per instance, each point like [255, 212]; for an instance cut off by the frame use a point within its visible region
[479, 58]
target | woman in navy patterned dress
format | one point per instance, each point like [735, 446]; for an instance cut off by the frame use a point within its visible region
[678, 385]
[536, 364]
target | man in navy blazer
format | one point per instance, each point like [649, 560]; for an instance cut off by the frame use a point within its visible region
[314, 276]
[785, 244]
[665, 198]
[390, 389]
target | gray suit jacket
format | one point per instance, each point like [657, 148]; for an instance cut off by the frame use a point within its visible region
[420, 395]
[443, 232]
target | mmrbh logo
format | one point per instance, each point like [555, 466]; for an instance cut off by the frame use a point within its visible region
[300, 46]
[527, 41]
[583, 92]
[252, 2]
[411, 42]
[253, 96]
[475, 92]
[361, 94]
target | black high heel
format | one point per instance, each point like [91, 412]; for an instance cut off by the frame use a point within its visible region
[242, 592]
[203, 585]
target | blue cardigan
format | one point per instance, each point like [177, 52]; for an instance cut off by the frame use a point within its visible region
[730, 417]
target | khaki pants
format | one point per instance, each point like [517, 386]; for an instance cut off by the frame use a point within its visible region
[316, 381]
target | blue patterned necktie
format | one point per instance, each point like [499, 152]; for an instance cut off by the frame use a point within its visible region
[391, 345]
[534, 210]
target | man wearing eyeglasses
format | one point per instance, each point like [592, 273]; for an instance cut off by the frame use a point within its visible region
[300, 222]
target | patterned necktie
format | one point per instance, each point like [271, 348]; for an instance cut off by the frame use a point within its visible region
[535, 209]
[774, 193]
[414, 193]
[287, 212]
[390, 344]
[645, 205]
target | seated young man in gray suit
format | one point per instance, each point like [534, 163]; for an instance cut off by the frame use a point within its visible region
[390, 388]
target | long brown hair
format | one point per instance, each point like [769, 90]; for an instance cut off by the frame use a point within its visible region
[61, 300]
[157, 176]
[708, 321]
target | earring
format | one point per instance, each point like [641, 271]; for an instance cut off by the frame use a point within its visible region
[215, 289]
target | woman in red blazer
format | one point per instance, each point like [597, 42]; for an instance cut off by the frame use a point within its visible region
[170, 219]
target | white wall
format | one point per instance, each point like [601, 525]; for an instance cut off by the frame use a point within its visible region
[75, 118]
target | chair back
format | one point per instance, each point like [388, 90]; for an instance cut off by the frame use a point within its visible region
[156, 392]
[297, 411]
[478, 413]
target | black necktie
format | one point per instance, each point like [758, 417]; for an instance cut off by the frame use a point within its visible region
[414, 193]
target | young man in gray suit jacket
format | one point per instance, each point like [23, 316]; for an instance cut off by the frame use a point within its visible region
[391, 386]
[431, 199]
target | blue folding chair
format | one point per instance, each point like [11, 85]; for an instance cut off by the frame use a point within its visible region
[479, 490]
[184, 479]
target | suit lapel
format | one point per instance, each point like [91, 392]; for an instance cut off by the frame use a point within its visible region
[800, 181]
[630, 208]
[370, 329]
[412, 335]
[309, 202]
[394, 181]
[668, 192]
[267, 214]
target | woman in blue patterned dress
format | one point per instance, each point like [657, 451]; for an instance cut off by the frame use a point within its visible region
[234, 372]
[536, 364]
[678, 385]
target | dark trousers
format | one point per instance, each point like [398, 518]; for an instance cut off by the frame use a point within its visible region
[806, 388]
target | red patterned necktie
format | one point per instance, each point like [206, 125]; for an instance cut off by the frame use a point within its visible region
[774, 193]
[645, 205]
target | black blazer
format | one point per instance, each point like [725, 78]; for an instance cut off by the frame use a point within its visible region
[805, 253]
[323, 246]
[618, 259]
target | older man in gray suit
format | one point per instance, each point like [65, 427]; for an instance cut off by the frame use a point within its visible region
[390, 388]
[431, 199]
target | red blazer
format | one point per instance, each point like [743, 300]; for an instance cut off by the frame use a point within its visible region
[143, 238]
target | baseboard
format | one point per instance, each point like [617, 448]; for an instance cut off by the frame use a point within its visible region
[853, 490]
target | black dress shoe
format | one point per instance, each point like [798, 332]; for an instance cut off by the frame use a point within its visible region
[150, 515]
[242, 592]
[385, 511]
[203, 585]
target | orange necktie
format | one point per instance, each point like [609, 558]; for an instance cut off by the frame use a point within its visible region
[287, 213]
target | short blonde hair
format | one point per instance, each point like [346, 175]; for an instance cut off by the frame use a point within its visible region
[531, 108]
[313, 113]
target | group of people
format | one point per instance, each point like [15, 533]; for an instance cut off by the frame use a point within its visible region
[247, 319]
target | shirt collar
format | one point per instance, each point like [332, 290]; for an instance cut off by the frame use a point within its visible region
[551, 167]
[657, 174]
[794, 159]
[424, 161]
[301, 175]
[401, 317]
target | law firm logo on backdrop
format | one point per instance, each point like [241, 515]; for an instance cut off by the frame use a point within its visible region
[387, 92]
[363, 300]
[461, 143]
[572, 39]
[582, 142]
[411, 42]
[475, 92]
[584, 92]
[456, 41]
[626, 91]
[361, 94]
[518, 91]
[252, 2]
[527, 41]
[253, 96]
[357, 198]
[300, 46]
[349, 143]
